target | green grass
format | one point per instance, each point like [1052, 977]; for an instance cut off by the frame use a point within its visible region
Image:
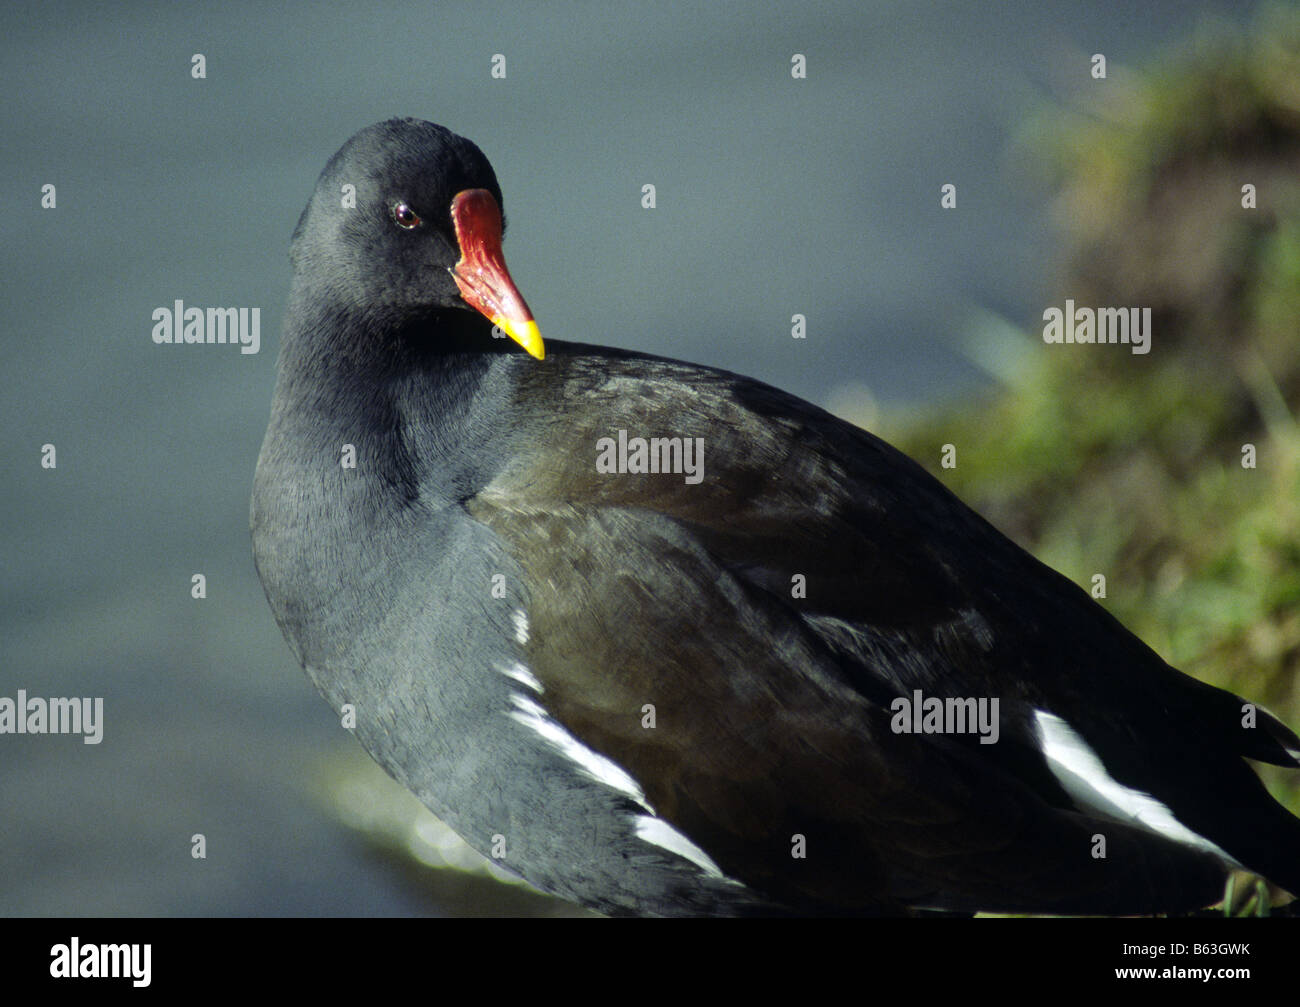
[1100, 461]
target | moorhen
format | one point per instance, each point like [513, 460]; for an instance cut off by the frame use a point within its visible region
[666, 640]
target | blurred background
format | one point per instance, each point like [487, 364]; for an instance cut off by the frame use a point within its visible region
[775, 196]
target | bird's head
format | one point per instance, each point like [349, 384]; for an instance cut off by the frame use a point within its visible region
[407, 218]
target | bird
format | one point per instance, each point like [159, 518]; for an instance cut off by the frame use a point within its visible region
[665, 640]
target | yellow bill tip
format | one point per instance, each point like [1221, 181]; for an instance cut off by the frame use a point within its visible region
[526, 334]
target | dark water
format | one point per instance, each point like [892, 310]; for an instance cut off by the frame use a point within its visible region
[775, 196]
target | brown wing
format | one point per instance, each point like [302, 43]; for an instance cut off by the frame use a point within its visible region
[648, 593]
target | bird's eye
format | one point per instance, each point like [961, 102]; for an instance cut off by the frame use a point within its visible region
[405, 216]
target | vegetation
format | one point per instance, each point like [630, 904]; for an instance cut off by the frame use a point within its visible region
[1102, 461]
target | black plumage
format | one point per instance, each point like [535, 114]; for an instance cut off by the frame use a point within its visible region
[501, 614]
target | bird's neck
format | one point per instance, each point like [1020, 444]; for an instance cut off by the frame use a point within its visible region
[411, 394]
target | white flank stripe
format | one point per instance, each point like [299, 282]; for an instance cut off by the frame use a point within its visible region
[660, 833]
[649, 828]
[599, 768]
[1078, 769]
[523, 676]
[521, 625]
